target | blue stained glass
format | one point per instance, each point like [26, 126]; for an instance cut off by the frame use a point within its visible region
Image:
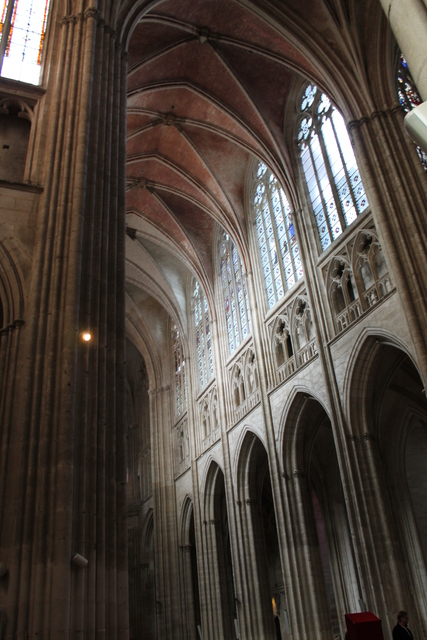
[26, 35]
[274, 211]
[237, 322]
[342, 164]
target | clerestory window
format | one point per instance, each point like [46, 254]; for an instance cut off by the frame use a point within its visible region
[409, 97]
[203, 335]
[22, 36]
[333, 179]
[180, 378]
[280, 257]
[235, 294]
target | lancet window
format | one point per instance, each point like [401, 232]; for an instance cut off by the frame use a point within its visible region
[180, 381]
[22, 36]
[235, 294]
[409, 97]
[333, 179]
[280, 258]
[203, 335]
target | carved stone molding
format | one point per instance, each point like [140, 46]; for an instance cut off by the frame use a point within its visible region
[131, 232]
[298, 474]
[153, 392]
[12, 326]
[203, 35]
[386, 113]
[91, 13]
[109, 31]
[70, 20]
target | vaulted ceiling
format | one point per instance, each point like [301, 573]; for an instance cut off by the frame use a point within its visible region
[208, 82]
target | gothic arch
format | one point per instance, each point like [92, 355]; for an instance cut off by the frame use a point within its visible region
[260, 538]
[11, 286]
[186, 515]
[360, 361]
[189, 570]
[314, 486]
[138, 332]
[208, 470]
[217, 542]
[388, 424]
[243, 448]
[290, 427]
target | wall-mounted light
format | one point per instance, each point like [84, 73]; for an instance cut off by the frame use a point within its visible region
[87, 336]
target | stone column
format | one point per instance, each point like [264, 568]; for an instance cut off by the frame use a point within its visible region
[165, 517]
[241, 572]
[383, 571]
[408, 21]
[308, 571]
[296, 574]
[66, 468]
[396, 186]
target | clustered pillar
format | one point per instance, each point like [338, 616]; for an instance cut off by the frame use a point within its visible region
[65, 462]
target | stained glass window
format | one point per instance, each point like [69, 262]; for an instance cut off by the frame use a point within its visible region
[180, 381]
[203, 335]
[408, 97]
[22, 36]
[235, 294]
[333, 179]
[280, 257]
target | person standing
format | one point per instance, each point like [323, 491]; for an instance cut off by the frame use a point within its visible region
[401, 631]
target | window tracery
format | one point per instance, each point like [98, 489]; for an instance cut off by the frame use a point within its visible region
[332, 176]
[292, 337]
[22, 36]
[180, 381]
[282, 341]
[303, 330]
[244, 384]
[357, 278]
[209, 419]
[280, 258]
[370, 269]
[182, 447]
[409, 97]
[343, 296]
[203, 336]
[238, 386]
[235, 294]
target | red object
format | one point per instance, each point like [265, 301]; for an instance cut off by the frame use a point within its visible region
[363, 626]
